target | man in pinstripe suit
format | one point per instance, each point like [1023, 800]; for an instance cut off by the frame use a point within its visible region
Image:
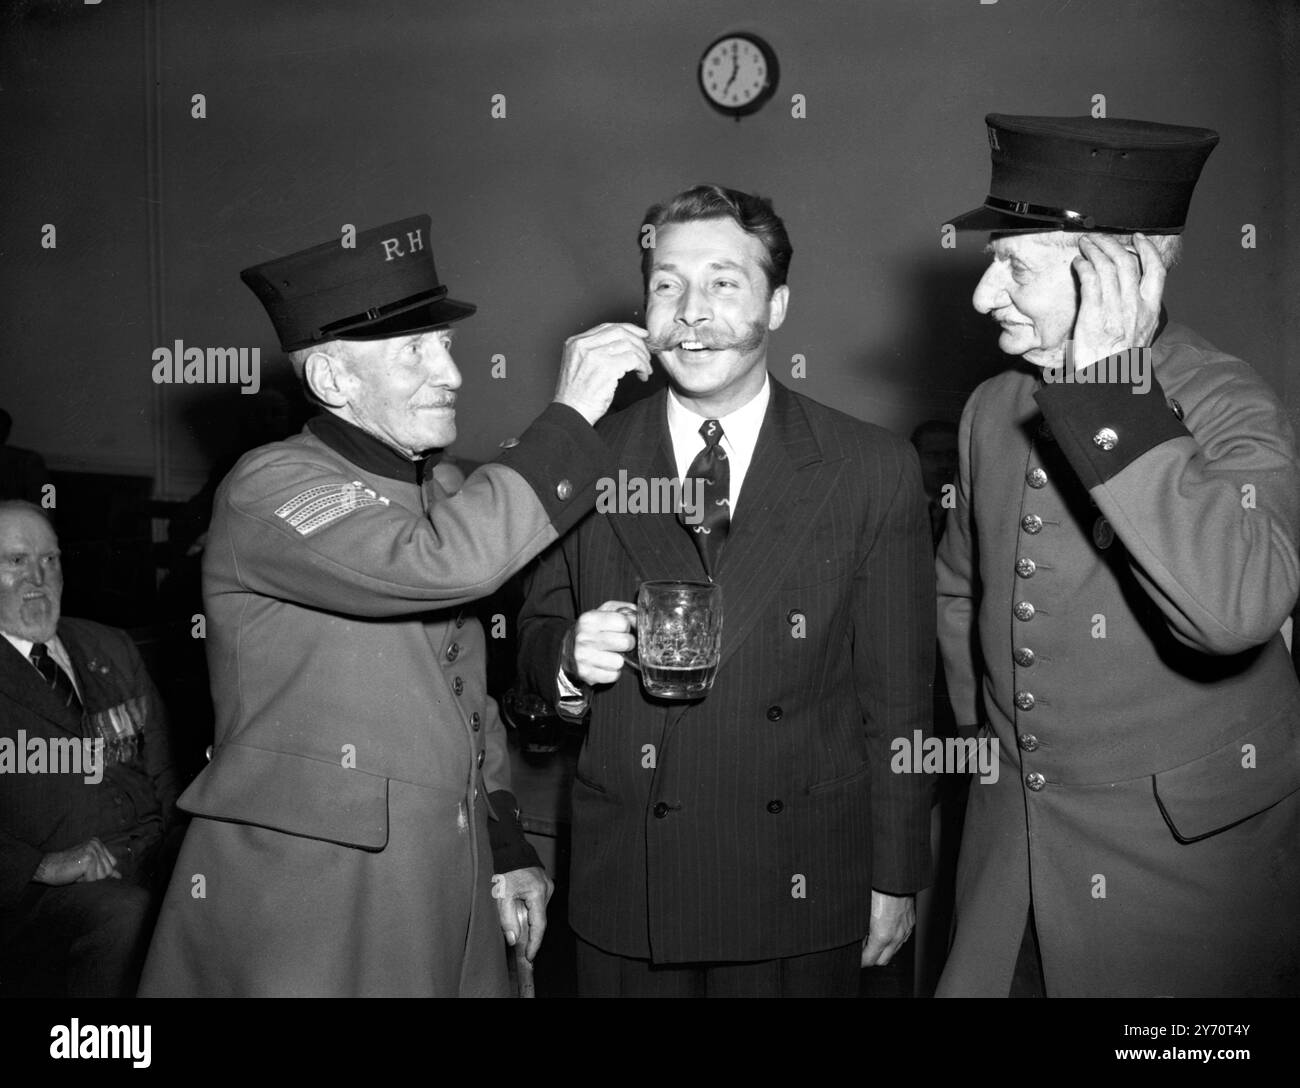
[753, 842]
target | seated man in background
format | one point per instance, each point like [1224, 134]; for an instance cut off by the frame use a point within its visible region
[87, 789]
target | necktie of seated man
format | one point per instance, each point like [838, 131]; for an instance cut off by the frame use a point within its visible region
[711, 468]
[54, 675]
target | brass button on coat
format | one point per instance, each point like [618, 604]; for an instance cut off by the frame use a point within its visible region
[1028, 742]
[1024, 611]
[1024, 656]
[453, 651]
[1036, 478]
[1035, 781]
[1025, 700]
[564, 491]
[1026, 567]
[1106, 439]
[1031, 523]
[775, 807]
[457, 686]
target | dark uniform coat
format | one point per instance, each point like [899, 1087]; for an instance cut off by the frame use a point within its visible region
[1111, 587]
[341, 839]
[753, 824]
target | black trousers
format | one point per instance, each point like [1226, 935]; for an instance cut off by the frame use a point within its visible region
[833, 973]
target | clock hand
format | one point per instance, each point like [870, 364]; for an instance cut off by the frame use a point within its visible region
[735, 71]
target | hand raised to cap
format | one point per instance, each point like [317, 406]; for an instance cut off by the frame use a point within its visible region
[1119, 296]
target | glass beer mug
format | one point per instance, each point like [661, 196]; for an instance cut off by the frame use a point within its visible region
[678, 638]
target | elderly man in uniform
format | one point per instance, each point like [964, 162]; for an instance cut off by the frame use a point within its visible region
[358, 802]
[1113, 578]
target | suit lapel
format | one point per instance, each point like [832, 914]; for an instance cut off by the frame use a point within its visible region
[787, 483]
[92, 675]
[657, 544]
[20, 681]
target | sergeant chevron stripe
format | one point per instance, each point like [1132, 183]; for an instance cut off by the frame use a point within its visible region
[319, 506]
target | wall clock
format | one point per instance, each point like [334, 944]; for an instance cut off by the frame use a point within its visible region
[738, 74]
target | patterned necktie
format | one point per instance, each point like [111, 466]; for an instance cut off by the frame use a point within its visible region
[710, 467]
[54, 675]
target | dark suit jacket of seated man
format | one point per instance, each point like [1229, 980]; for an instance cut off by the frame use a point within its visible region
[87, 787]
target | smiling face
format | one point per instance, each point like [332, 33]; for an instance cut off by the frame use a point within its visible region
[403, 390]
[31, 579]
[709, 312]
[1030, 290]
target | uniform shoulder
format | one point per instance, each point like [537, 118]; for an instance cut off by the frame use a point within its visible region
[1194, 370]
[266, 469]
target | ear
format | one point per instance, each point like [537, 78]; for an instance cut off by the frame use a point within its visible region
[327, 377]
[776, 307]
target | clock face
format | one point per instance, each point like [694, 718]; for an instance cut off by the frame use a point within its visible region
[738, 73]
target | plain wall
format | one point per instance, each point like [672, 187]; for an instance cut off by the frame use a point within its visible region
[330, 113]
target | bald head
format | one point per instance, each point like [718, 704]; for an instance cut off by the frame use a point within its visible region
[31, 579]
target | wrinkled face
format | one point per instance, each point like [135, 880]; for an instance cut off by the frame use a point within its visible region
[708, 308]
[1030, 290]
[31, 579]
[403, 390]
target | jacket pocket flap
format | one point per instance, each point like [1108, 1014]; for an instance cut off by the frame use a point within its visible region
[293, 794]
[1224, 787]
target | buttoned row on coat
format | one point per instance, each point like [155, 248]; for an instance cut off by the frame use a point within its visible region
[1112, 583]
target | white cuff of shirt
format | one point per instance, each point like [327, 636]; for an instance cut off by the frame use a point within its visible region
[573, 698]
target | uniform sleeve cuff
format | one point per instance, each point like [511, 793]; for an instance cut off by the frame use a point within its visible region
[1103, 427]
[510, 850]
[561, 456]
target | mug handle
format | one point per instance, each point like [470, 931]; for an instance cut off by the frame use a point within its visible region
[635, 664]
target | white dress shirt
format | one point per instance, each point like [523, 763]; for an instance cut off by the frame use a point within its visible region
[739, 435]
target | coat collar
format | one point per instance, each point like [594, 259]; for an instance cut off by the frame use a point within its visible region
[368, 453]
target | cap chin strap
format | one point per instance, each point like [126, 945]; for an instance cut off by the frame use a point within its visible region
[1040, 211]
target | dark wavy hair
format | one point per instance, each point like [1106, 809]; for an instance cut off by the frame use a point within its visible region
[752, 214]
